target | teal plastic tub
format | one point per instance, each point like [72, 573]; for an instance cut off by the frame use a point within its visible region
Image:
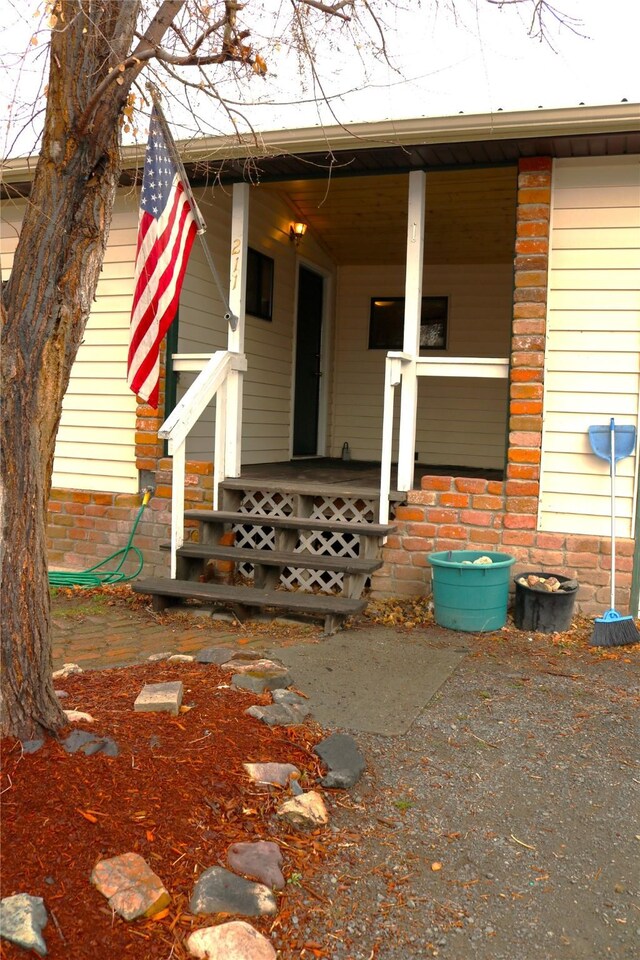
[469, 597]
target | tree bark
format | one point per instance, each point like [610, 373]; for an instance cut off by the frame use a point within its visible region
[45, 308]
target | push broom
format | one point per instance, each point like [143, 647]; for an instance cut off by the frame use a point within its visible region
[613, 443]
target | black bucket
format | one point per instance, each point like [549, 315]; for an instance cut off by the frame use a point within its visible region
[542, 611]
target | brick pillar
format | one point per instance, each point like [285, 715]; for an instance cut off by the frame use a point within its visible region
[527, 350]
[149, 447]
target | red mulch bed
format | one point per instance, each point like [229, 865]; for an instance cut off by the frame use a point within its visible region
[179, 806]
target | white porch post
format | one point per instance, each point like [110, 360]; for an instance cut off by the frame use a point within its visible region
[411, 343]
[235, 341]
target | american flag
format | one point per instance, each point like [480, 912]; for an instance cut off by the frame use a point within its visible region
[166, 231]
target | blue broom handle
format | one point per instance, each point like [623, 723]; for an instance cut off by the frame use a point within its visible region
[613, 512]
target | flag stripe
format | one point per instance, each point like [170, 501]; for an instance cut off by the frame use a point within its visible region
[166, 231]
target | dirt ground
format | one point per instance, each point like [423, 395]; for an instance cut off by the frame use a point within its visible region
[503, 825]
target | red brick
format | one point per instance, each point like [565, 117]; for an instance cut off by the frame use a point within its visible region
[409, 513]
[486, 502]
[521, 408]
[162, 492]
[530, 326]
[578, 544]
[533, 211]
[522, 538]
[530, 278]
[436, 515]
[103, 499]
[522, 471]
[441, 544]
[532, 228]
[454, 500]
[79, 496]
[525, 438]
[519, 521]
[54, 506]
[526, 164]
[416, 543]
[551, 541]
[146, 463]
[532, 246]
[534, 195]
[495, 488]
[622, 563]
[531, 261]
[524, 375]
[393, 542]
[485, 537]
[529, 313]
[395, 556]
[421, 529]
[530, 295]
[523, 455]
[522, 488]
[476, 518]
[526, 391]
[453, 532]
[204, 467]
[471, 485]
[624, 548]
[128, 500]
[522, 505]
[548, 558]
[411, 573]
[422, 559]
[527, 343]
[436, 483]
[422, 496]
[76, 534]
[527, 358]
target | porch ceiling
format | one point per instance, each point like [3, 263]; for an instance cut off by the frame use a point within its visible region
[470, 215]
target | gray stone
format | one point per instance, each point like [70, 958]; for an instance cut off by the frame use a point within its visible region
[236, 940]
[215, 655]
[278, 714]
[259, 681]
[305, 812]
[260, 860]
[66, 670]
[345, 762]
[154, 657]
[130, 885]
[89, 743]
[278, 774]
[181, 658]
[219, 891]
[31, 746]
[160, 697]
[261, 665]
[289, 697]
[61, 694]
[22, 919]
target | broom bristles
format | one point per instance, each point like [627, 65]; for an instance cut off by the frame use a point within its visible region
[612, 630]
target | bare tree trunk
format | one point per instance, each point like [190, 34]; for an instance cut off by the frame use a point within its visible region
[45, 308]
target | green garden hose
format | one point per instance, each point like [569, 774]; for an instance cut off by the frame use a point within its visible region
[95, 576]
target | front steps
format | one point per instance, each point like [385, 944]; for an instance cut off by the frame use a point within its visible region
[272, 546]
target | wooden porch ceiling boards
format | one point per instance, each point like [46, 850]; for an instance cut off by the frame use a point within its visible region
[363, 220]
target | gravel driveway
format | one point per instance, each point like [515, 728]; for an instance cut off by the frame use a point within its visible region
[503, 825]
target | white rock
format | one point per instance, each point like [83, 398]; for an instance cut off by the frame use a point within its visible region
[181, 658]
[22, 918]
[66, 670]
[305, 812]
[236, 940]
[77, 716]
[278, 774]
[160, 656]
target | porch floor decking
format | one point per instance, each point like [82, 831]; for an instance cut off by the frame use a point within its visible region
[361, 477]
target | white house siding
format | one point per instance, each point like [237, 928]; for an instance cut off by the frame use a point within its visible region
[461, 422]
[593, 341]
[95, 445]
[269, 345]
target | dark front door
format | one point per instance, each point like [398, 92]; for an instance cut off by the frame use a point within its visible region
[306, 406]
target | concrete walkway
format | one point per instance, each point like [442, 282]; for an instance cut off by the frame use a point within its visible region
[373, 679]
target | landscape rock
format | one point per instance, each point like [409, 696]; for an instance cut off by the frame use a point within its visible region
[66, 670]
[61, 694]
[154, 657]
[258, 681]
[305, 812]
[89, 743]
[240, 665]
[278, 774]
[181, 658]
[77, 716]
[160, 697]
[31, 746]
[22, 919]
[278, 714]
[130, 885]
[215, 655]
[219, 891]
[345, 762]
[288, 697]
[236, 940]
[260, 860]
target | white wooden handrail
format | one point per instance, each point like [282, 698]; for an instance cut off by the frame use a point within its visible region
[395, 365]
[210, 382]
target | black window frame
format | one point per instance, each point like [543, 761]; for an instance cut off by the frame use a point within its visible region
[260, 277]
[387, 333]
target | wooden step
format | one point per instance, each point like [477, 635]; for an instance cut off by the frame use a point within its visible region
[290, 523]
[333, 609]
[307, 488]
[279, 558]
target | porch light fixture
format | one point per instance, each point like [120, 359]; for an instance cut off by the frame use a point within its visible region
[297, 232]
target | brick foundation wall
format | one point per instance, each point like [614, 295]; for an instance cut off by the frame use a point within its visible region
[464, 513]
[85, 527]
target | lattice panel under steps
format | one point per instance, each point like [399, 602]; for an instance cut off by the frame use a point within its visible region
[354, 509]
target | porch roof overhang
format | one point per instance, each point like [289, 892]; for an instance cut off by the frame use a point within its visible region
[390, 146]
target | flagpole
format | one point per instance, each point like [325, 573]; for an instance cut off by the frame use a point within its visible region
[229, 316]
